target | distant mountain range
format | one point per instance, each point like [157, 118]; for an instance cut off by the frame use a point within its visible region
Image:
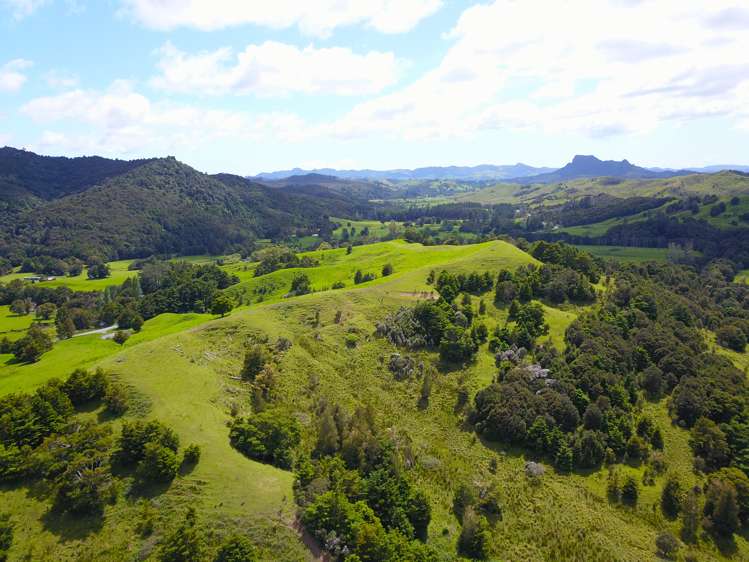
[591, 167]
[720, 168]
[581, 166]
[465, 173]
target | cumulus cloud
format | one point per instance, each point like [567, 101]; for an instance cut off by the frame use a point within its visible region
[122, 121]
[12, 76]
[313, 17]
[273, 68]
[598, 67]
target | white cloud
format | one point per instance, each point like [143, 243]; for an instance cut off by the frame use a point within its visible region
[313, 17]
[274, 68]
[12, 76]
[22, 8]
[120, 121]
[61, 80]
[598, 67]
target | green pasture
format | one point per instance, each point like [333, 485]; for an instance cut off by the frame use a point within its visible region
[626, 253]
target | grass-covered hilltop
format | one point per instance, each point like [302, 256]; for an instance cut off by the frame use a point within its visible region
[327, 369]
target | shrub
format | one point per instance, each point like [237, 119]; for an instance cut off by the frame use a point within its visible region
[630, 491]
[83, 386]
[116, 399]
[671, 496]
[192, 454]
[135, 436]
[267, 437]
[300, 285]
[254, 360]
[159, 464]
[6, 535]
[637, 448]
[475, 537]
[667, 544]
[129, 319]
[85, 486]
[721, 508]
[185, 544]
[31, 347]
[387, 269]
[120, 337]
[237, 549]
[222, 304]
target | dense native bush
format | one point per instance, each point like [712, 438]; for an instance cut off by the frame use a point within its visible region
[270, 437]
[354, 495]
[645, 338]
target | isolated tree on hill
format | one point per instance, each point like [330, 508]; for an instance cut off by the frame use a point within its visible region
[222, 304]
[387, 269]
[300, 285]
[120, 337]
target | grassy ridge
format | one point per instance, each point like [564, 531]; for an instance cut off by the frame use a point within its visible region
[338, 266]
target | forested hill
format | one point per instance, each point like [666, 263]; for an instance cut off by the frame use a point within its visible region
[24, 174]
[155, 206]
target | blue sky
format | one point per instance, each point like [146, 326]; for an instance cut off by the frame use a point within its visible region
[246, 86]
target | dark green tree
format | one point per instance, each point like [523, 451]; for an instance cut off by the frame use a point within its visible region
[185, 543]
[237, 549]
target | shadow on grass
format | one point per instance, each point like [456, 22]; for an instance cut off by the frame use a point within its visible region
[147, 490]
[187, 467]
[71, 527]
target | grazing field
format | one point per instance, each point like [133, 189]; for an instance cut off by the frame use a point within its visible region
[743, 276]
[627, 253]
[13, 326]
[84, 351]
[118, 269]
[377, 229]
